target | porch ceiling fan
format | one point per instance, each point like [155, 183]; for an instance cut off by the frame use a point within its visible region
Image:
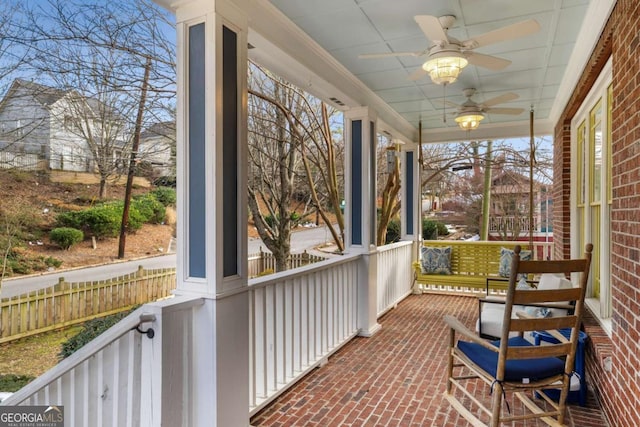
[446, 56]
[470, 113]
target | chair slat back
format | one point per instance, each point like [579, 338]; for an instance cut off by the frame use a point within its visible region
[553, 298]
[554, 350]
[546, 296]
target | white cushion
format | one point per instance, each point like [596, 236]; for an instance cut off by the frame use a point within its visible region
[492, 314]
[552, 281]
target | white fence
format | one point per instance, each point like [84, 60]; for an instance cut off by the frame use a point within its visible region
[395, 274]
[297, 320]
[262, 262]
[22, 161]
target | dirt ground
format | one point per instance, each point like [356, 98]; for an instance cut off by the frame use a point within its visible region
[149, 240]
[36, 194]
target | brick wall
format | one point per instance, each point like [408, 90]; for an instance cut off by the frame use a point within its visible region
[618, 386]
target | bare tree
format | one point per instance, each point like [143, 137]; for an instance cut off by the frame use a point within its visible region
[98, 52]
[274, 161]
[13, 152]
[295, 168]
[322, 155]
[446, 168]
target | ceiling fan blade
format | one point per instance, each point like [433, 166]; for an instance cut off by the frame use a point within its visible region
[431, 27]
[511, 111]
[510, 32]
[389, 54]
[417, 74]
[493, 63]
[505, 97]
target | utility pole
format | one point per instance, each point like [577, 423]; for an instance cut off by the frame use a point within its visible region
[532, 160]
[486, 197]
[132, 159]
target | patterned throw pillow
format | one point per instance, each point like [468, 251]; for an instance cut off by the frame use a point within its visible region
[538, 311]
[506, 255]
[436, 260]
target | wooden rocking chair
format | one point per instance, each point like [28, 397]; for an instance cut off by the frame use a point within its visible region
[514, 364]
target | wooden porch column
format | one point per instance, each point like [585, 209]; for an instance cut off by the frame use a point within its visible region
[212, 256]
[360, 209]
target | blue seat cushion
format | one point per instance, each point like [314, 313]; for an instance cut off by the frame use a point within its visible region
[516, 370]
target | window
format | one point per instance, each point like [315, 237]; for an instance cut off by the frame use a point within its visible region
[591, 182]
[19, 130]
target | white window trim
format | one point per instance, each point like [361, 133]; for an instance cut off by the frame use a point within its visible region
[601, 307]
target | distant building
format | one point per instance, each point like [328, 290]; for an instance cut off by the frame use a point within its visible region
[57, 129]
[509, 217]
[157, 147]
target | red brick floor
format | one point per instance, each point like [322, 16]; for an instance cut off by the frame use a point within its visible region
[395, 378]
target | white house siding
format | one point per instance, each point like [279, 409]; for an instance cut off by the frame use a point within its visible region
[69, 151]
[32, 135]
[157, 151]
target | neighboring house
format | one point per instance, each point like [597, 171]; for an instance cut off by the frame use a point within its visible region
[55, 125]
[157, 147]
[509, 208]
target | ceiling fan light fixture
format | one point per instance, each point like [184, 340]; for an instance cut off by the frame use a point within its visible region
[445, 67]
[469, 121]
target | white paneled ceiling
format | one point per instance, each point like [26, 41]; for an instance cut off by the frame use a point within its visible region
[347, 28]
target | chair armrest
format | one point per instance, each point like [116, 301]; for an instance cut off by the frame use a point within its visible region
[468, 335]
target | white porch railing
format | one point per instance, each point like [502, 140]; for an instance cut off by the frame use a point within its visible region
[298, 319]
[395, 274]
[116, 379]
[509, 223]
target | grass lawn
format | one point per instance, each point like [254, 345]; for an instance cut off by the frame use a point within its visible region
[33, 356]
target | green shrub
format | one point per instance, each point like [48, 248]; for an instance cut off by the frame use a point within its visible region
[12, 383]
[105, 220]
[150, 208]
[90, 330]
[442, 229]
[165, 195]
[432, 229]
[52, 262]
[18, 266]
[66, 237]
[136, 219]
[69, 220]
[102, 221]
[393, 232]
[19, 262]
